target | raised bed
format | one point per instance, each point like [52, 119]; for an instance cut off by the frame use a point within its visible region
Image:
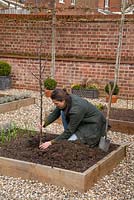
[122, 126]
[14, 105]
[122, 120]
[61, 177]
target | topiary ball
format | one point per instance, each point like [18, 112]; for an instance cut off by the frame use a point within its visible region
[116, 89]
[5, 68]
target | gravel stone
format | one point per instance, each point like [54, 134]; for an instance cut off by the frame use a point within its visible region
[119, 185]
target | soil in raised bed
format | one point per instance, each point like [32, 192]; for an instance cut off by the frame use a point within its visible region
[65, 154]
[121, 114]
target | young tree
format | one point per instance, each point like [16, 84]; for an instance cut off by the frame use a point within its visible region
[118, 58]
[40, 80]
[53, 38]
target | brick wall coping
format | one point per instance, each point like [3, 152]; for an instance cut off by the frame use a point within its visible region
[83, 18]
[91, 60]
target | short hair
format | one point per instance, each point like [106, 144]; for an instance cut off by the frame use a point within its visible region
[59, 95]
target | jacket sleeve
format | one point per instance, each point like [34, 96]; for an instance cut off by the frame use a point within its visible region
[76, 116]
[52, 117]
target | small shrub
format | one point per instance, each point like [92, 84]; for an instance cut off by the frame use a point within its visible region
[77, 87]
[50, 83]
[84, 87]
[116, 89]
[5, 68]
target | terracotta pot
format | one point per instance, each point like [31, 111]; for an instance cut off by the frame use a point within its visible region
[48, 93]
[113, 100]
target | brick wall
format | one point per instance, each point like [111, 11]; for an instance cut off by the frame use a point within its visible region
[101, 4]
[114, 5]
[85, 48]
[47, 4]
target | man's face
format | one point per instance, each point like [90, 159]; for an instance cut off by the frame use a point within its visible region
[59, 104]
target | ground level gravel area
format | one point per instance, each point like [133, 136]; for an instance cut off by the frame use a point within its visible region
[119, 185]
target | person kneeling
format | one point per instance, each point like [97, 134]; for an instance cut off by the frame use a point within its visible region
[81, 119]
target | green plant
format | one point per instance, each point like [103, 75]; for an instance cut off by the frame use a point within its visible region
[109, 87]
[82, 87]
[76, 86]
[5, 68]
[50, 83]
[7, 132]
[92, 86]
[99, 106]
[2, 136]
[7, 98]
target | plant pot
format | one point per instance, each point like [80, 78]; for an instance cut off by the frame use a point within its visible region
[113, 100]
[88, 93]
[5, 82]
[48, 93]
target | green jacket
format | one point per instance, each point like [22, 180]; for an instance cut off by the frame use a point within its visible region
[85, 120]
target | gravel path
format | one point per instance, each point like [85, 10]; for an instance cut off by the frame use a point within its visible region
[117, 186]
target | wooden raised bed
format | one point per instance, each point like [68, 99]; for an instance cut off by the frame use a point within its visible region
[122, 120]
[61, 177]
[14, 105]
[122, 126]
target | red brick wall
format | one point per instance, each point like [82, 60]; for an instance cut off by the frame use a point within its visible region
[114, 5]
[85, 47]
[47, 4]
[66, 3]
[90, 4]
[69, 72]
[101, 4]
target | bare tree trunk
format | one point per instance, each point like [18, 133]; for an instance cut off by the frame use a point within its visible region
[118, 58]
[40, 79]
[53, 38]
[41, 95]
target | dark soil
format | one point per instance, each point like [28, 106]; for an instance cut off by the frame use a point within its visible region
[67, 155]
[121, 114]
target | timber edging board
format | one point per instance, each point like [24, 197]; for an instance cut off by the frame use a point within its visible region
[122, 126]
[14, 105]
[61, 177]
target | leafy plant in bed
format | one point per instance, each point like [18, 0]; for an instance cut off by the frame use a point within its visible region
[12, 102]
[10, 98]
